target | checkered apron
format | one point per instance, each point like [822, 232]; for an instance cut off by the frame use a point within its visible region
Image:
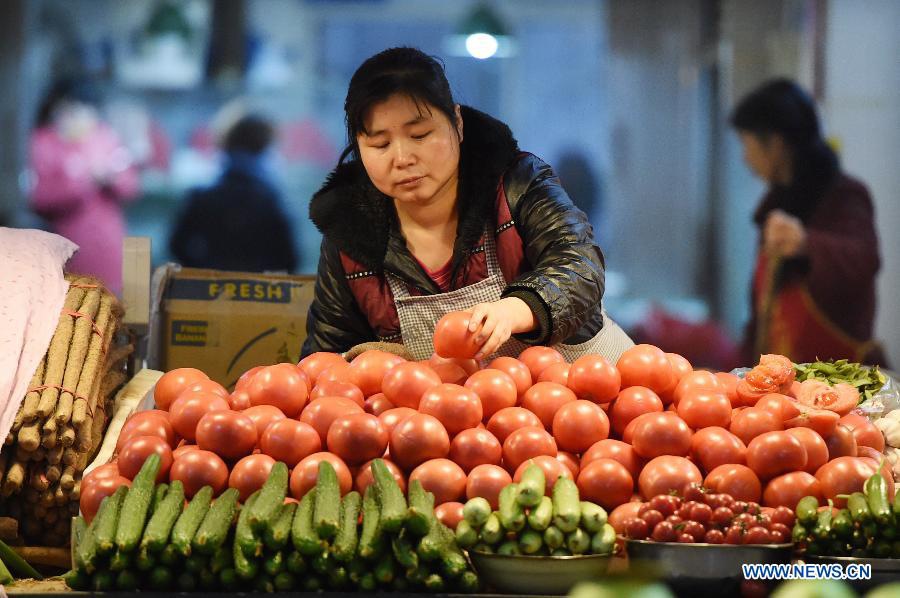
[419, 315]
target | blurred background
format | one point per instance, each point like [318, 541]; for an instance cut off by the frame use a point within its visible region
[627, 99]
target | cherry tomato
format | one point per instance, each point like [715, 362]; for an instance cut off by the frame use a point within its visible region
[282, 385]
[170, 385]
[320, 413]
[636, 528]
[844, 475]
[290, 441]
[367, 370]
[714, 446]
[229, 434]
[619, 515]
[841, 442]
[526, 443]
[594, 378]
[646, 365]
[774, 453]
[496, 389]
[657, 434]
[738, 481]
[666, 504]
[316, 363]
[136, 451]
[699, 380]
[864, 431]
[449, 513]
[516, 370]
[666, 474]
[417, 439]
[263, 416]
[539, 358]
[632, 402]
[652, 517]
[473, 447]
[197, 469]
[365, 478]
[664, 531]
[606, 483]
[306, 472]
[456, 407]
[405, 383]
[93, 494]
[749, 423]
[377, 404]
[391, 417]
[722, 516]
[734, 535]
[147, 423]
[783, 516]
[578, 425]
[714, 536]
[704, 408]
[509, 419]
[570, 461]
[695, 530]
[442, 477]
[757, 535]
[337, 388]
[187, 410]
[787, 490]
[487, 481]
[553, 470]
[616, 450]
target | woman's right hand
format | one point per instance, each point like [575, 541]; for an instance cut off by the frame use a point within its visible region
[493, 323]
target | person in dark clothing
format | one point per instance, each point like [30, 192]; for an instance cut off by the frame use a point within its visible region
[813, 289]
[238, 223]
[433, 208]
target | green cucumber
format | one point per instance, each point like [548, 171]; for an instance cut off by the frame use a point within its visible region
[348, 535]
[217, 523]
[271, 497]
[163, 519]
[327, 510]
[285, 582]
[295, 563]
[384, 569]
[532, 486]
[278, 534]
[103, 581]
[877, 496]
[554, 538]
[244, 537]
[303, 534]
[476, 511]
[541, 516]
[127, 581]
[530, 541]
[566, 505]
[807, 510]
[512, 516]
[244, 568]
[492, 531]
[370, 537]
[403, 551]
[578, 541]
[393, 503]
[133, 517]
[16, 563]
[189, 521]
[466, 536]
[604, 541]
[274, 563]
[76, 579]
[161, 578]
[421, 509]
[108, 520]
[119, 561]
[159, 493]
[593, 517]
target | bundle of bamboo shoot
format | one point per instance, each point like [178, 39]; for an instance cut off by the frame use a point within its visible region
[61, 422]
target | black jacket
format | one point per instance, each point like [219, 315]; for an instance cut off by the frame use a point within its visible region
[237, 224]
[564, 276]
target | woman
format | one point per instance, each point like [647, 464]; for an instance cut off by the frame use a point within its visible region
[813, 290]
[82, 176]
[437, 211]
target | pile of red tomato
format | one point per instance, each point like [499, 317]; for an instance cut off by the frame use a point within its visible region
[702, 516]
[647, 426]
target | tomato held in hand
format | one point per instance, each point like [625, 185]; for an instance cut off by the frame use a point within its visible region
[496, 389]
[357, 438]
[290, 441]
[578, 425]
[306, 472]
[250, 473]
[516, 370]
[197, 469]
[170, 385]
[452, 337]
[594, 378]
[487, 481]
[442, 477]
[475, 446]
[283, 385]
[714, 446]
[456, 407]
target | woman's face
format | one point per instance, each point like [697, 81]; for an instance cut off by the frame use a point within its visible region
[410, 153]
[765, 157]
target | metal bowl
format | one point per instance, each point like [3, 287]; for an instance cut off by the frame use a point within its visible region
[702, 561]
[883, 570]
[549, 575]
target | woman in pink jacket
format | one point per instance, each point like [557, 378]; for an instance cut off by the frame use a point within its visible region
[82, 176]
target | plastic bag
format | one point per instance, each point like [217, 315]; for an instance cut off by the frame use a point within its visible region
[884, 401]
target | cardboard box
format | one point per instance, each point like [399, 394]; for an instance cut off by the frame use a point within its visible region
[225, 323]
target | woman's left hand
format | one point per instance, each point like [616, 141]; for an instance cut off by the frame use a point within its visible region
[784, 235]
[493, 323]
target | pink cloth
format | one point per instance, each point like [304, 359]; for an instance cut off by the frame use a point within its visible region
[68, 195]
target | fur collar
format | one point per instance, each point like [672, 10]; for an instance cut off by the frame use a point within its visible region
[359, 219]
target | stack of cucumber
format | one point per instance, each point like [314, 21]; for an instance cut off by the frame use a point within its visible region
[144, 537]
[869, 526]
[530, 523]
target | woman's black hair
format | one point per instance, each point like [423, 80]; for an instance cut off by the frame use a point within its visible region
[252, 134]
[406, 71]
[66, 90]
[781, 107]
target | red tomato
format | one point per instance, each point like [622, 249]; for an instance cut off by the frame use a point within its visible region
[714, 446]
[496, 389]
[774, 453]
[197, 469]
[680, 365]
[557, 372]
[578, 425]
[738, 481]
[339, 372]
[442, 477]
[594, 378]
[787, 490]
[322, 412]
[487, 481]
[368, 369]
[452, 337]
[449, 373]
[657, 434]
[454, 406]
[693, 381]
[623, 513]
[841, 443]
[537, 359]
[646, 365]
[469, 366]
[146, 423]
[509, 419]
[365, 478]
[449, 513]
[93, 494]
[749, 423]
[357, 438]
[840, 398]
[107, 470]
[282, 385]
[778, 404]
[239, 400]
[183, 449]
[417, 439]
[136, 451]
[377, 404]
[820, 420]
[704, 408]
[474, 447]
[306, 472]
[316, 363]
[605, 482]
[405, 383]
[864, 431]
[263, 416]
[170, 385]
[553, 470]
[526, 443]
[290, 441]
[631, 403]
[665, 474]
[545, 398]
[816, 449]
[336, 388]
[391, 417]
[616, 450]
[516, 370]
[187, 410]
[571, 462]
[206, 386]
[246, 377]
[844, 475]
[729, 383]
[250, 473]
